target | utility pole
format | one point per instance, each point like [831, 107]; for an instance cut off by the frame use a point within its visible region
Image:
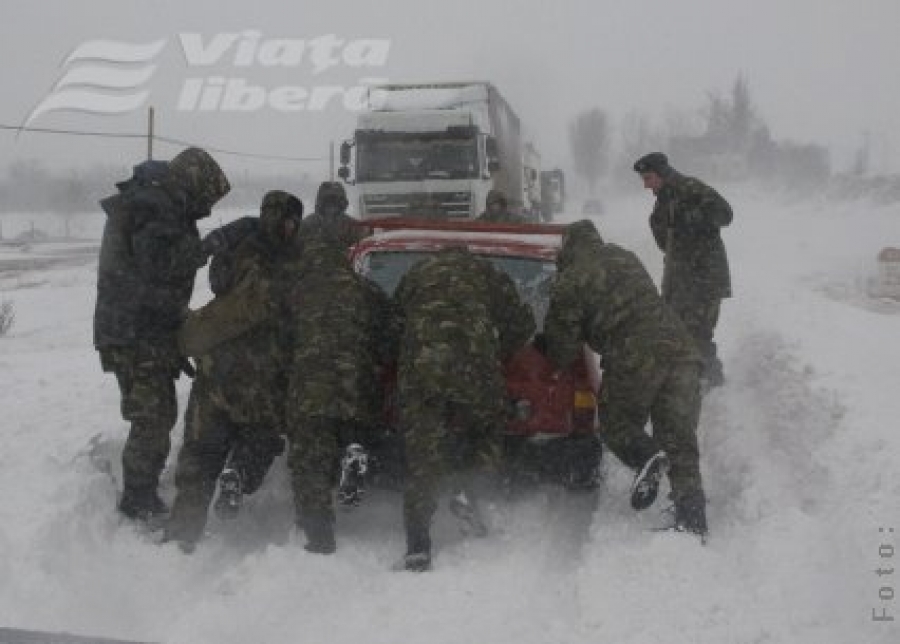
[331, 161]
[150, 119]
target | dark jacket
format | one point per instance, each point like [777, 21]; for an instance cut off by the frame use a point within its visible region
[697, 263]
[603, 296]
[149, 255]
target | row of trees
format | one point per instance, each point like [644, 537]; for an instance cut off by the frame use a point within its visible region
[727, 139]
[31, 187]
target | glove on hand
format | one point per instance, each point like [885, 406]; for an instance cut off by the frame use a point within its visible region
[215, 242]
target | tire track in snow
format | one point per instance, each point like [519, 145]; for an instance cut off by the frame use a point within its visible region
[760, 433]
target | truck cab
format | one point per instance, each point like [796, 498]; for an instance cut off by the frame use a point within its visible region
[436, 150]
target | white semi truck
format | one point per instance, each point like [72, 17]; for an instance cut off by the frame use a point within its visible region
[436, 149]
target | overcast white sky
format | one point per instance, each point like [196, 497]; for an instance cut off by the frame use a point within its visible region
[823, 71]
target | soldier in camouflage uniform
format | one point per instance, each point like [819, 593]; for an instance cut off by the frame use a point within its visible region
[685, 221]
[603, 296]
[496, 209]
[330, 221]
[460, 319]
[149, 255]
[341, 332]
[236, 409]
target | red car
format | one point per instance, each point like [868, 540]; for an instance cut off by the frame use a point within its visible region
[553, 431]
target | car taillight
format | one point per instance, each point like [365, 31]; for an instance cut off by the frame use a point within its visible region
[584, 410]
[585, 399]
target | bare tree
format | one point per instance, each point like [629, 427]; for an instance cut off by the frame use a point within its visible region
[863, 157]
[589, 140]
[744, 118]
[732, 125]
[718, 120]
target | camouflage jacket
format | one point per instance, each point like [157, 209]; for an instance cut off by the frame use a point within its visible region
[340, 333]
[697, 262]
[460, 319]
[222, 267]
[239, 337]
[149, 255]
[340, 229]
[603, 296]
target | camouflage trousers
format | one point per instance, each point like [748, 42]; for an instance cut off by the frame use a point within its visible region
[668, 394]
[700, 314]
[146, 381]
[212, 440]
[317, 444]
[443, 439]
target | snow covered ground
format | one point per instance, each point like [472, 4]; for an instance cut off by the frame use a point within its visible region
[800, 452]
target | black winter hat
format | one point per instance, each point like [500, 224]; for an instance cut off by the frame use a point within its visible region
[654, 162]
[331, 191]
[284, 202]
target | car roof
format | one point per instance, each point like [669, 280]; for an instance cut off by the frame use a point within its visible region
[534, 241]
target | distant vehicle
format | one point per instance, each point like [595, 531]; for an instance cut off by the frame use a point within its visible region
[887, 282]
[436, 150]
[592, 207]
[553, 426]
[553, 193]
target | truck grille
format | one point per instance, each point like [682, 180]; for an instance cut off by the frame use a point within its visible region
[421, 204]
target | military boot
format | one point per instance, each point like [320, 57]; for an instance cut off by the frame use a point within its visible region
[319, 529]
[142, 504]
[231, 494]
[465, 508]
[418, 548]
[646, 481]
[354, 467]
[690, 513]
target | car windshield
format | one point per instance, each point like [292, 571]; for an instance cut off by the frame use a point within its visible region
[531, 276]
[407, 158]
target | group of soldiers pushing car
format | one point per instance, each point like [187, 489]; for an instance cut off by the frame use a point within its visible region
[293, 348]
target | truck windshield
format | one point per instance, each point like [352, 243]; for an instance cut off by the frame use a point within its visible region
[531, 276]
[407, 158]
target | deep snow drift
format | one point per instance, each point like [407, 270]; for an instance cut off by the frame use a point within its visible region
[799, 450]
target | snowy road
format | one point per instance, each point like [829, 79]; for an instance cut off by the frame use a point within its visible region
[799, 449]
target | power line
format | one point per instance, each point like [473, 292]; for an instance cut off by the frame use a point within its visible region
[47, 130]
[162, 139]
[250, 155]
